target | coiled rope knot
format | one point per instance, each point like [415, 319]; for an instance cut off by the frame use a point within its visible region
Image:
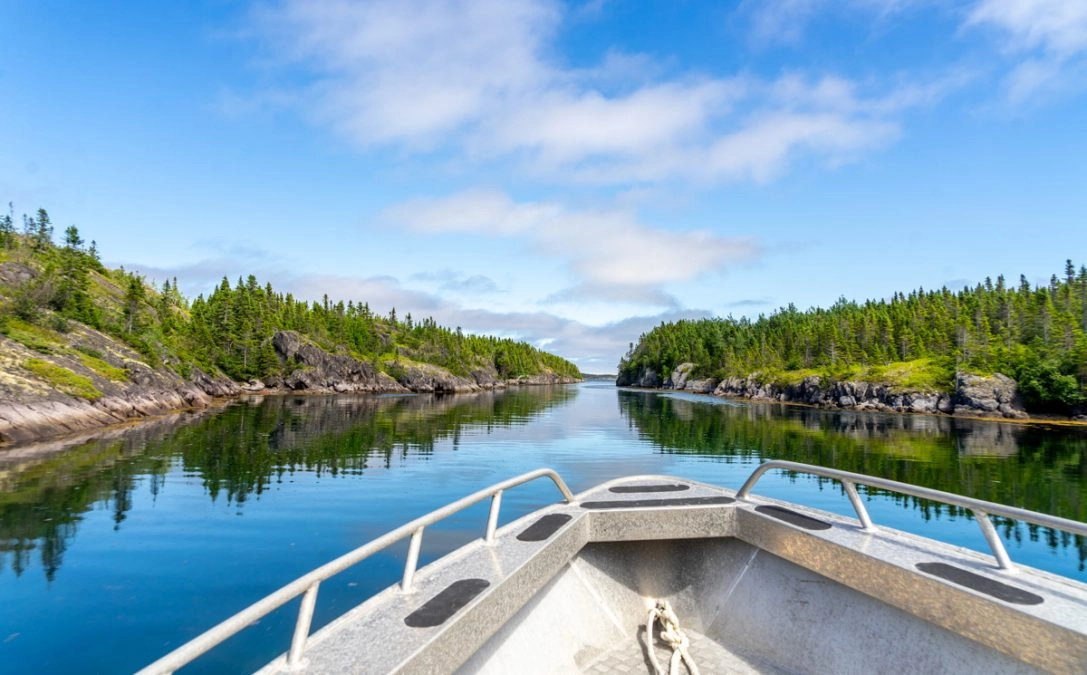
[672, 634]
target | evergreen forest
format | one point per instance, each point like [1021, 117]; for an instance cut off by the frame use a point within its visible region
[45, 286]
[1035, 334]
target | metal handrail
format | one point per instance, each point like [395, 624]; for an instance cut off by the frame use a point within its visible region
[308, 583]
[982, 509]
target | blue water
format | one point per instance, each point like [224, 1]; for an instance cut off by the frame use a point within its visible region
[114, 551]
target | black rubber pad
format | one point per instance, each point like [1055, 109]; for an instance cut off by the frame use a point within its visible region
[447, 603]
[667, 487]
[543, 528]
[793, 518]
[976, 582]
[656, 503]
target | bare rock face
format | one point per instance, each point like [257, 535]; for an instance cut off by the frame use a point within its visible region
[647, 378]
[431, 379]
[702, 386]
[315, 370]
[993, 396]
[678, 378]
[974, 395]
[217, 387]
[318, 371]
[32, 409]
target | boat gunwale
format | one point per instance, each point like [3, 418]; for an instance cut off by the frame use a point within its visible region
[746, 503]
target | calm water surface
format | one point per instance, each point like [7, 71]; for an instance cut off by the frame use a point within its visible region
[116, 550]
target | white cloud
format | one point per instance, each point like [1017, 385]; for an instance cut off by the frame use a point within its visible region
[762, 150]
[477, 78]
[565, 128]
[609, 251]
[409, 70]
[477, 211]
[1048, 39]
[1058, 27]
[784, 21]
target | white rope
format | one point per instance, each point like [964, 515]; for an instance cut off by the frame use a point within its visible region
[671, 633]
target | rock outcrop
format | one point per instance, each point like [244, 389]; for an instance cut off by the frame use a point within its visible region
[313, 369]
[124, 388]
[131, 390]
[993, 396]
[316, 370]
[646, 378]
[973, 395]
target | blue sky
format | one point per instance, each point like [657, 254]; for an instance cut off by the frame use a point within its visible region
[569, 173]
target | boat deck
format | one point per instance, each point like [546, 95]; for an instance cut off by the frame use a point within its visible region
[710, 656]
[763, 566]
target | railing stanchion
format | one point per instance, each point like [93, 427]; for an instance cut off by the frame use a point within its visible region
[492, 517]
[981, 509]
[413, 560]
[307, 584]
[858, 506]
[995, 544]
[302, 625]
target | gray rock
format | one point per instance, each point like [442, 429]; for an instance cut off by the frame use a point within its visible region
[944, 404]
[701, 386]
[679, 376]
[923, 403]
[974, 395]
[317, 370]
[648, 379]
[993, 396]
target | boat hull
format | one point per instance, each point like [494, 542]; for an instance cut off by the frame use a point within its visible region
[762, 586]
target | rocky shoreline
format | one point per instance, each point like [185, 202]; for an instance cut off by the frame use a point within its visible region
[30, 412]
[994, 396]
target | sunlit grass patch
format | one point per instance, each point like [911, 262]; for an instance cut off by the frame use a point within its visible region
[103, 368]
[916, 375]
[34, 337]
[63, 379]
[786, 378]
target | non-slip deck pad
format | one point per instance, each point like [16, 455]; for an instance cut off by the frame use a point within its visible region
[656, 503]
[793, 518]
[438, 609]
[543, 528]
[976, 582]
[660, 487]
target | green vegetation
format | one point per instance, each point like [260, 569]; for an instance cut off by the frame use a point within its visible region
[229, 332]
[37, 338]
[63, 379]
[1036, 335]
[101, 367]
[928, 374]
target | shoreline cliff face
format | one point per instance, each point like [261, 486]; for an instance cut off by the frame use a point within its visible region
[994, 396]
[62, 391]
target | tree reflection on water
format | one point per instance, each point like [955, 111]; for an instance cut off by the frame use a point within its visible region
[237, 453]
[1034, 466]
